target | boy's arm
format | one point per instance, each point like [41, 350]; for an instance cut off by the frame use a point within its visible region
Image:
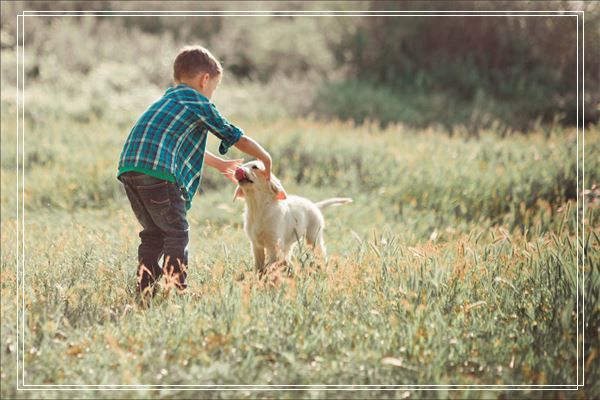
[226, 167]
[231, 135]
[252, 148]
[220, 127]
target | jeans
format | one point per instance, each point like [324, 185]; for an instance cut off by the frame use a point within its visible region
[160, 208]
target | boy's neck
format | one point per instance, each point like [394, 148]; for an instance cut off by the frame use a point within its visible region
[190, 84]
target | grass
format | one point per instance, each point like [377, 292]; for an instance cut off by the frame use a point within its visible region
[456, 264]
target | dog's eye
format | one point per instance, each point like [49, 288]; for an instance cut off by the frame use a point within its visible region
[254, 167]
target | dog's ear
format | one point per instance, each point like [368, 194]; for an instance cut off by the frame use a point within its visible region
[277, 188]
[239, 192]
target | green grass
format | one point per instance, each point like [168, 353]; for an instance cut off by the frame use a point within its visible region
[456, 264]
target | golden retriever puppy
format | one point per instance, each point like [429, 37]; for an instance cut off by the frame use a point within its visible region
[273, 221]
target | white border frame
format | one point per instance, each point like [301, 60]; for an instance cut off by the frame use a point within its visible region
[20, 273]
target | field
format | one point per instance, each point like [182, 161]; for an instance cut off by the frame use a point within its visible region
[456, 264]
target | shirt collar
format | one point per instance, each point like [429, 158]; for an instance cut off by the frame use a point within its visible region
[184, 86]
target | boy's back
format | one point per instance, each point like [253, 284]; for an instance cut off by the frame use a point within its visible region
[169, 139]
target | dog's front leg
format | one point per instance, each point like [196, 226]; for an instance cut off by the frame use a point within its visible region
[274, 254]
[259, 257]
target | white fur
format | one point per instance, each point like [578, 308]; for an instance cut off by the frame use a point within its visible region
[275, 222]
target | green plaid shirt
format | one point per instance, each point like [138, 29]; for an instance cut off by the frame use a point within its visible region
[169, 139]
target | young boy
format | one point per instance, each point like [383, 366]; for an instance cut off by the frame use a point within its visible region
[162, 159]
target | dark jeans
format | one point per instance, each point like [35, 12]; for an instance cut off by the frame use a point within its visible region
[160, 208]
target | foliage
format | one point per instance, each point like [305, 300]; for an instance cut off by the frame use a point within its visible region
[420, 71]
[524, 64]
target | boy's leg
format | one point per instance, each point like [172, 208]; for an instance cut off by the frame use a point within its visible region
[176, 255]
[176, 238]
[151, 247]
[164, 202]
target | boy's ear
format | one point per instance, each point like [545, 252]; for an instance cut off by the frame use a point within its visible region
[239, 192]
[277, 188]
[203, 78]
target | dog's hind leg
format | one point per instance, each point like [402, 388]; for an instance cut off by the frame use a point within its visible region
[315, 240]
[320, 249]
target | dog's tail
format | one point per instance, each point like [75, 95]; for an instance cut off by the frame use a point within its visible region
[336, 201]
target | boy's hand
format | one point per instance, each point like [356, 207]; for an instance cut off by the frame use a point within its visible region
[250, 147]
[225, 167]
[228, 168]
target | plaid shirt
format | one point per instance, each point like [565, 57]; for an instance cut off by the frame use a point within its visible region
[169, 139]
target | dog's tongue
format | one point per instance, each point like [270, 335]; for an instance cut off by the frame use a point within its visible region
[239, 174]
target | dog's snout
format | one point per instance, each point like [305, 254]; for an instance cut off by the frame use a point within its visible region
[240, 174]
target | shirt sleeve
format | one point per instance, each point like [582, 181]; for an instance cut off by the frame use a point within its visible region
[221, 128]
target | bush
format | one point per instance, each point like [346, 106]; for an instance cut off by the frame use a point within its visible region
[524, 65]
[361, 100]
[420, 71]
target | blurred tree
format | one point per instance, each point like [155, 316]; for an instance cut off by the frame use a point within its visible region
[527, 59]
[451, 70]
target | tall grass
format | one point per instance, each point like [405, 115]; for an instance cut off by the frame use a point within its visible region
[454, 265]
[457, 262]
[491, 180]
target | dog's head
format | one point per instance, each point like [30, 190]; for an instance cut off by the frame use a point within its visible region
[253, 183]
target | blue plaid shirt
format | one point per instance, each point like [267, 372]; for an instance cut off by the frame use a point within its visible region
[169, 139]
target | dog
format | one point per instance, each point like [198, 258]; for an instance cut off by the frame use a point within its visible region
[273, 221]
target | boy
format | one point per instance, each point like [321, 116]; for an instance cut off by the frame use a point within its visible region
[162, 159]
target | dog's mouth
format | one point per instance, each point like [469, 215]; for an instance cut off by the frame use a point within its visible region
[244, 181]
[241, 177]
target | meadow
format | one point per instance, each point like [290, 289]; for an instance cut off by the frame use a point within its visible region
[455, 265]
[458, 263]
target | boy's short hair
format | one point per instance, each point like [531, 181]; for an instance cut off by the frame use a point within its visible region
[193, 60]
